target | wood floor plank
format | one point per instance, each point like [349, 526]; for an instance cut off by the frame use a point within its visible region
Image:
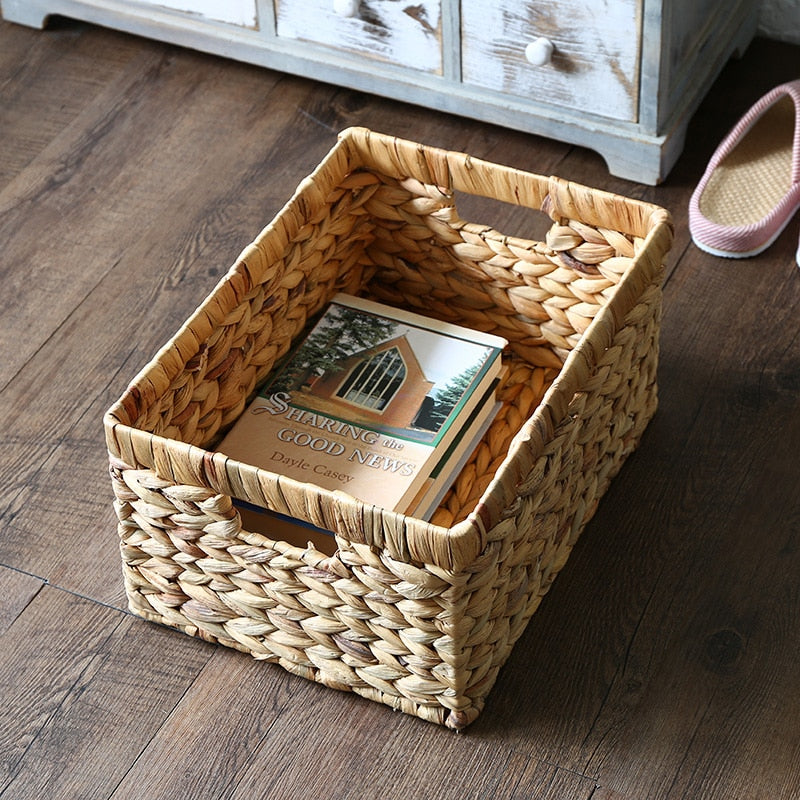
[563, 784]
[207, 742]
[325, 739]
[57, 74]
[142, 147]
[96, 687]
[523, 777]
[256, 731]
[56, 640]
[47, 276]
[16, 590]
[60, 522]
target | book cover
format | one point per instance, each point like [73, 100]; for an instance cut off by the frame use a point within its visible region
[367, 402]
[303, 534]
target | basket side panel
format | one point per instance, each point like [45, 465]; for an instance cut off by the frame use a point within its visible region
[360, 621]
[566, 482]
[200, 382]
[541, 296]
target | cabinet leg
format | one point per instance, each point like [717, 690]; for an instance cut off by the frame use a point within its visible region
[644, 162]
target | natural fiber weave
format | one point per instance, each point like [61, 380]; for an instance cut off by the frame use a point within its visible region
[417, 615]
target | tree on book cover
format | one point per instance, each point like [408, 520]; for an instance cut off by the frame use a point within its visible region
[368, 395]
[345, 330]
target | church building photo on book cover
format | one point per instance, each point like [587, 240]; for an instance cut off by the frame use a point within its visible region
[397, 375]
[371, 393]
[386, 382]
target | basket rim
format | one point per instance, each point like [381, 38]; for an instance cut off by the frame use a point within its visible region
[407, 538]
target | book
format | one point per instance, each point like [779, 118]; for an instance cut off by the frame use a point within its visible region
[368, 402]
[302, 534]
[283, 528]
[452, 462]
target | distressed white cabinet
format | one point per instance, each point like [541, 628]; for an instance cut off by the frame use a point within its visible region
[621, 77]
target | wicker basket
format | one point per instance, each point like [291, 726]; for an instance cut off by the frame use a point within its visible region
[417, 615]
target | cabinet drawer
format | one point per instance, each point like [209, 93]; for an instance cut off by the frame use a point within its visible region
[234, 12]
[402, 32]
[594, 67]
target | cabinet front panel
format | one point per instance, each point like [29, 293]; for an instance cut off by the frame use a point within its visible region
[402, 32]
[588, 52]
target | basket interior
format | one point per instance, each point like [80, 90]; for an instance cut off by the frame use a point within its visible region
[402, 242]
[540, 295]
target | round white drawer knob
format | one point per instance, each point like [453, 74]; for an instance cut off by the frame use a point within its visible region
[346, 8]
[539, 52]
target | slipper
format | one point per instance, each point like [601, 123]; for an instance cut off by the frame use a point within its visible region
[751, 187]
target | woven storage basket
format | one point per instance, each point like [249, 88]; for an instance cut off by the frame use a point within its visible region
[417, 615]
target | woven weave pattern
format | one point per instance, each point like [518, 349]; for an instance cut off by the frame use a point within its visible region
[420, 616]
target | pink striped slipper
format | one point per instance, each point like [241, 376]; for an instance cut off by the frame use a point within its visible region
[751, 187]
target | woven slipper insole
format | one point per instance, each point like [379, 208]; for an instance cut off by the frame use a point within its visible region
[751, 180]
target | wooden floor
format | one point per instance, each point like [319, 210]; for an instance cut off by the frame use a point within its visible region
[662, 664]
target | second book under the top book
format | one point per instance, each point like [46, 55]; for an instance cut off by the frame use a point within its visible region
[369, 402]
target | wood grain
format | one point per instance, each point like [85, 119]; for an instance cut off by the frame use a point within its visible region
[84, 706]
[208, 741]
[17, 589]
[52, 665]
[236, 12]
[660, 664]
[56, 77]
